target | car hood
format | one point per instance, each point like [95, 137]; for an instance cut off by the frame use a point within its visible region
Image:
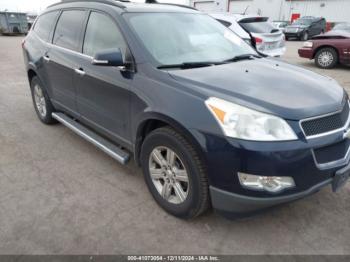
[334, 34]
[267, 85]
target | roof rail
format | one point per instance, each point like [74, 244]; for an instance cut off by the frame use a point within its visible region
[156, 2]
[184, 6]
[117, 3]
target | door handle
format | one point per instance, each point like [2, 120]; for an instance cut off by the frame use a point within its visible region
[79, 71]
[47, 58]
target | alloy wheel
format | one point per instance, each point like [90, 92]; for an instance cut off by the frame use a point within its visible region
[39, 99]
[325, 59]
[169, 175]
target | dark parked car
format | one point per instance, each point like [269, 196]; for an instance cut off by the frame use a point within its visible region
[328, 50]
[305, 28]
[197, 108]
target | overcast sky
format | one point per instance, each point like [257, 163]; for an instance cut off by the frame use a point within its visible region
[39, 5]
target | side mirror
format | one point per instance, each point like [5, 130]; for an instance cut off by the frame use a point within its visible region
[109, 57]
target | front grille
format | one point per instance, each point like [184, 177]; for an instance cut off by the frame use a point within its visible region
[326, 124]
[332, 153]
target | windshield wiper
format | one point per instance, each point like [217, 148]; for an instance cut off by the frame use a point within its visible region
[241, 57]
[187, 65]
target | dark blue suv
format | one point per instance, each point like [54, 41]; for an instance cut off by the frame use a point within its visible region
[210, 121]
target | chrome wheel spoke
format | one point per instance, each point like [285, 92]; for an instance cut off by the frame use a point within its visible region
[179, 192]
[181, 175]
[170, 157]
[157, 156]
[156, 173]
[166, 190]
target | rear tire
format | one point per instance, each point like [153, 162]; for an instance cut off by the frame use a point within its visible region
[42, 104]
[166, 156]
[326, 58]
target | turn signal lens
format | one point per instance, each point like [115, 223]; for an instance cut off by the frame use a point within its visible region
[272, 184]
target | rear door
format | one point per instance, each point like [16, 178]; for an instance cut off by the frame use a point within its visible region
[103, 96]
[62, 56]
[38, 45]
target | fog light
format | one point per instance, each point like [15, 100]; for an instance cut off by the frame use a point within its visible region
[272, 184]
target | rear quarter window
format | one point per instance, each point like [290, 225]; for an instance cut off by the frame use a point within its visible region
[68, 29]
[45, 25]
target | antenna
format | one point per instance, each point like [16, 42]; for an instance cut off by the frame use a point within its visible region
[246, 9]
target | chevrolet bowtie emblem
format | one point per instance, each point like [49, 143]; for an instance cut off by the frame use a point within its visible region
[346, 134]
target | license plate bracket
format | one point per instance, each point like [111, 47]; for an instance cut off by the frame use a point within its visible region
[340, 178]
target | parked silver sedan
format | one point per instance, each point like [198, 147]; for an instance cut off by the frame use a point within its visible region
[264, 36]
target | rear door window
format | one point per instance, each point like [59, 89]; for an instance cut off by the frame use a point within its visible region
[102, 34]
[45, 25]
[68, 29]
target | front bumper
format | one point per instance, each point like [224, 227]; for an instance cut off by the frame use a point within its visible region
[277, 52]
[306, 53]
[294, 34]
[228, 202]
[299, 159]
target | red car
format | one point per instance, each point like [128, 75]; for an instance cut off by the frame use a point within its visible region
[328, 49]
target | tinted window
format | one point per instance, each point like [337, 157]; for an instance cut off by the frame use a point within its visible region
[258, 27]
[68, 29]
[303, 22]
[44, 25]
[101, 34]
[225, 23]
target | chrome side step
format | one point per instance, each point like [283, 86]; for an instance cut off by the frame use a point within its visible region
[103, 144]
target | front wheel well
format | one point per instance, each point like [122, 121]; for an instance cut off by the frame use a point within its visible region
[31, 74]
[322, 47]
[152, 124]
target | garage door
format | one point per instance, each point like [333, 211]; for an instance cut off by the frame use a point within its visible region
[206, 6]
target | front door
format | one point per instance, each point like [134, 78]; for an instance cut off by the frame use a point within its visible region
[103, 96]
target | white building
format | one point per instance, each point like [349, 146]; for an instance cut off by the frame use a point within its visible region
[332, 10]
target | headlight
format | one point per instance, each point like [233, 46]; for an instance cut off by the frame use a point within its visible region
[244, 123]
[308, 44]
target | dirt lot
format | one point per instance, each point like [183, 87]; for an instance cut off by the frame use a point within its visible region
[61, 195]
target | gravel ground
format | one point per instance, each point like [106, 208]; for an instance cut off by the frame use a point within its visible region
[61, 195]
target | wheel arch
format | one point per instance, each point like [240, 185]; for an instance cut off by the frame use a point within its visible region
[324, 46]
[31, 73]
[157, 120]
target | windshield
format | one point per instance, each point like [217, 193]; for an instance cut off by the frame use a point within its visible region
[302, 22]
[175, 38]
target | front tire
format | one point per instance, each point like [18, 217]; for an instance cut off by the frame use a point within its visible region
[41, 101]
[326, 58]
[174, 173]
